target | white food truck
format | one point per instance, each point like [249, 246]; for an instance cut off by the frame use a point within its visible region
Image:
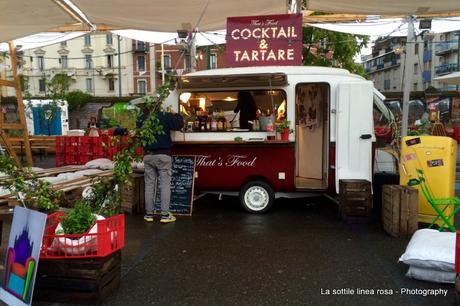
[330, 113]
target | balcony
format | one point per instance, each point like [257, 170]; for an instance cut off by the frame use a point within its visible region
[446, 47]
[426, 76]
[427, 56]
[445, 69]
[140, 48]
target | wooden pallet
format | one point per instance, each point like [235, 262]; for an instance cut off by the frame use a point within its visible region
[79, 281]
[72, 188]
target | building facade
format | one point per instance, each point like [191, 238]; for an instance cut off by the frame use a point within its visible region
[434, 55]
[91, 62]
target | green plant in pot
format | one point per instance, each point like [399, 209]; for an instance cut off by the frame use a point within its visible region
[79, 219]
[284, 129]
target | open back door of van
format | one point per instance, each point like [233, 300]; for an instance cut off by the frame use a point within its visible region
[355, 131]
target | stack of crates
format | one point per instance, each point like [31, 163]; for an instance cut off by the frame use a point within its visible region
[78, 150]
[72, 150]
[355, 198]
[60, 151]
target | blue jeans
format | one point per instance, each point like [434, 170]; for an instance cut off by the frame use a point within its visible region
[157, 166]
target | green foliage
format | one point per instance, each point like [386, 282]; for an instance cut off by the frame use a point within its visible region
[77, 99]
[25, 185]
[79, 219]
[105, 198]
[285, 124]
[342, 45]
[107, 123]
[58, 86]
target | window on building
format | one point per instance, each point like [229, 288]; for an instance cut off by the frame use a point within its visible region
[167, 61]
[111, 84]
[141, 87]
[141, 63]
[415, 68]
[64, 62]
[41, 63]
[42, 85]
[87, 40]
[109, 39]
[140, 45]
[415, 86]
[110, 61]
[64, 43]
[416, 48]
[89, 85]
[88, 61]
[213, 61]
[387, 84]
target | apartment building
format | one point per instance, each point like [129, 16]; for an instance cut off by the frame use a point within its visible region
[434, 55]
[91, 61]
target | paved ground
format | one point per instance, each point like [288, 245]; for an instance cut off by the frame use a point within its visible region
[224, 256]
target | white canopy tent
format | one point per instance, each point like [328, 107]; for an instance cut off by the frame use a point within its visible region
[170, 16]
[172, 38]
[388, 27]
[20, 18]
[41, 40]
[451, 78]
[387, 7]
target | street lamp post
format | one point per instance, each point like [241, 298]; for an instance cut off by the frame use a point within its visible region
[407, 74]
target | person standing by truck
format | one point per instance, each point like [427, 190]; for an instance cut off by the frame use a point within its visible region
[247, 108]
[158, 164]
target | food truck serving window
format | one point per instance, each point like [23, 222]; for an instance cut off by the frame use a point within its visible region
[238, 110]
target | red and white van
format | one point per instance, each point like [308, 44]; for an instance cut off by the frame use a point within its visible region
[330, 112]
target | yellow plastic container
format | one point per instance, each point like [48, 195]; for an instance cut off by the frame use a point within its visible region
[436, 156]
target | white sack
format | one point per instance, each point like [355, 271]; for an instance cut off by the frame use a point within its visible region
[431, 275]
[101, 163]
[431, 249]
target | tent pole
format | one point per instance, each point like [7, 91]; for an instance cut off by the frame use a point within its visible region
[407, 74]
[162, 64]
[119, 66]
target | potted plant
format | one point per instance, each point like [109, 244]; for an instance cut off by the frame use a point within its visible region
[284, 129]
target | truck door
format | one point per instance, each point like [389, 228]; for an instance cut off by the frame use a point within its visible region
[355, 132]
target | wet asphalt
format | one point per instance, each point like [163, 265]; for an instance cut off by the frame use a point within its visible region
[289, 256]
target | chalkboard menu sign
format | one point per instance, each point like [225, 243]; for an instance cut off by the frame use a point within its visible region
[182, 179]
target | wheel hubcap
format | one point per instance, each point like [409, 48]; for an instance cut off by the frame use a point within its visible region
[256, 198]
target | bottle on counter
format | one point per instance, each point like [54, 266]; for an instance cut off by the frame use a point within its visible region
[213, 124]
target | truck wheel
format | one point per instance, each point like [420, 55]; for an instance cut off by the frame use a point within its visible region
[257, 197]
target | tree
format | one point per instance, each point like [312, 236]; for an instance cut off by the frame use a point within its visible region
[76, 100]
[332, 49]
[58, 86]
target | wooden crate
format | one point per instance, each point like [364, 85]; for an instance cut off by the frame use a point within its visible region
[132, 196]
[399, 210]
[355, 200]
[79, 281]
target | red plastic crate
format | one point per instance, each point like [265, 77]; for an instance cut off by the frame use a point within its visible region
[110, 237]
